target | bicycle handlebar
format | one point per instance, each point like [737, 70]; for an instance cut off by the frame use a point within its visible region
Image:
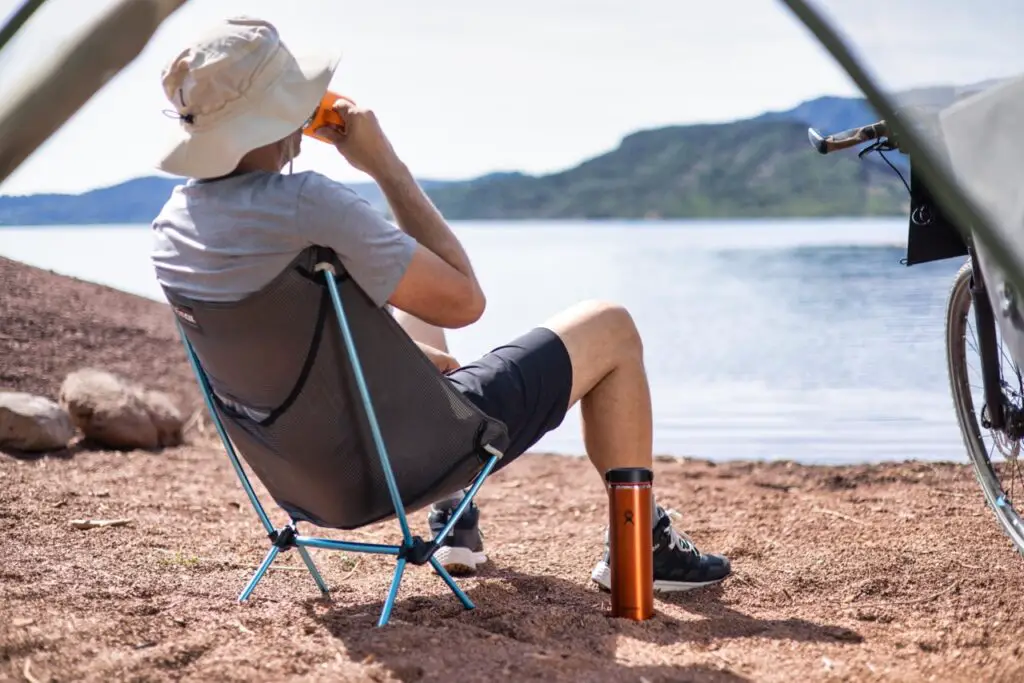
[847, 138]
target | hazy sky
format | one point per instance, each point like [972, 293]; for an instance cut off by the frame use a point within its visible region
[464, 88]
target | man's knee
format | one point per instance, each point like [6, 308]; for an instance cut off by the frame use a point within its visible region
[607, 323]
[614, 321]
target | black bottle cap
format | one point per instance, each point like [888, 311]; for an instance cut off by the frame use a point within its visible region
[629, 475]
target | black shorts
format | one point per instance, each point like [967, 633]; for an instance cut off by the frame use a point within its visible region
[525, 384]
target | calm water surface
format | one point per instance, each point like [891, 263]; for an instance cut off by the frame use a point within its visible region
[803, 340]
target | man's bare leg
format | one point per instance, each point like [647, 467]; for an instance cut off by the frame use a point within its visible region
[611, 385]
[424, 333]
[610, 382]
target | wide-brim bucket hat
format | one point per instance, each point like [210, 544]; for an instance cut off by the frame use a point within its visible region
[236, 89]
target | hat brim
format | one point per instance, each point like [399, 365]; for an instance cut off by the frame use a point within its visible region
[274, 114]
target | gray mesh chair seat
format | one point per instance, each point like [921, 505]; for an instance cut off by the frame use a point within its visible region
[335, 409]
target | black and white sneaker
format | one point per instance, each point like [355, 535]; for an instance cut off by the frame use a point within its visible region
[678, 565]
[462, 550]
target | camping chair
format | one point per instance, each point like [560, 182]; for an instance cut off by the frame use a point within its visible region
[345, 424]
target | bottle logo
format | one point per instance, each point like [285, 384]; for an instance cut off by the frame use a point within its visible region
[629, 516]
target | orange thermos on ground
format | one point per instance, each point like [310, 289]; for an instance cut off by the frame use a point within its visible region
[631, 542]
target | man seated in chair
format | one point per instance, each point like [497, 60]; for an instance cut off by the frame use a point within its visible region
[238, 221]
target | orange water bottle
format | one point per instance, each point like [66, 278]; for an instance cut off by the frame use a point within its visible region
[325, 115]
[631, 542]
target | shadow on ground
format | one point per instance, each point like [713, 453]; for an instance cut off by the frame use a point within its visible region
[529, 627]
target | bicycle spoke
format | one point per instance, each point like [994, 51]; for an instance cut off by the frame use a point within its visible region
[1013, 480]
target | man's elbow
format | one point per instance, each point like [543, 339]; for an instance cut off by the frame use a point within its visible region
[469, 309]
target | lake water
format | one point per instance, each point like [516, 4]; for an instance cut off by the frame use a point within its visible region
[803, 340]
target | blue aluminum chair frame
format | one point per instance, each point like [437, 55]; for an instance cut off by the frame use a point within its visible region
[413, 549]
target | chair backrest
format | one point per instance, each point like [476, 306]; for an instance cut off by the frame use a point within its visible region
[283, 386]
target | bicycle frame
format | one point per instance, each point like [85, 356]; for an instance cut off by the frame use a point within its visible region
[988, 348]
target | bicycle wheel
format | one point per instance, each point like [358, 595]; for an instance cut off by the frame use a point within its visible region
[993, 454]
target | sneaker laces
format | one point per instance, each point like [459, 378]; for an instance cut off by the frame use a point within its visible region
[678, 539]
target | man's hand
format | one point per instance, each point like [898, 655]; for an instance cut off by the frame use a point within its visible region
[361, 141]
[439, 358]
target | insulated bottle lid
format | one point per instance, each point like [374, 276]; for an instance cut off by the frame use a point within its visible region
[629, 475]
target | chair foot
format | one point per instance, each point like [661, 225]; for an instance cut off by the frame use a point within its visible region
[317, 578]
[251, 586]
[459, 593]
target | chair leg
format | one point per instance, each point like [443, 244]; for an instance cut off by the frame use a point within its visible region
[308, 560]
[247, 591]
[389, 604]
[459, 593]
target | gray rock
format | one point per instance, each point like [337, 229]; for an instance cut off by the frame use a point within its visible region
[115, 412]
[33, 423]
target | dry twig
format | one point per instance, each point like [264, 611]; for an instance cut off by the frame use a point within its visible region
[98, 523]
[27, 671]
[840, 515]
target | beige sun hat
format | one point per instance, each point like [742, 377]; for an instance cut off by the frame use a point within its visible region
[235, 89]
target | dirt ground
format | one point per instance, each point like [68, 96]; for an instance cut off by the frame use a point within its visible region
[891, 572]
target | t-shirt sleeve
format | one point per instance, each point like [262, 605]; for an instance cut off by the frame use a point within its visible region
[373, 250]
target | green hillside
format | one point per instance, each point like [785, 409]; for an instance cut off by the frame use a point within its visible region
[742, 169]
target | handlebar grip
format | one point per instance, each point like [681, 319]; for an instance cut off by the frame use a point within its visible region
[847, 138]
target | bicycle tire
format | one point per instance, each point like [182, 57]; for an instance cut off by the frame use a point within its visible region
[958, 314]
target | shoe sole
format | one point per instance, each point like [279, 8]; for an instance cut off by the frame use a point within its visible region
[602, 576]
[458, 560]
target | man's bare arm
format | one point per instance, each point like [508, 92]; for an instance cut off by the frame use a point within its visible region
[417, 216]
[439, 285]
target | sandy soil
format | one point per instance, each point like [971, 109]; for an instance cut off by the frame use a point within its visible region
[894, 572]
